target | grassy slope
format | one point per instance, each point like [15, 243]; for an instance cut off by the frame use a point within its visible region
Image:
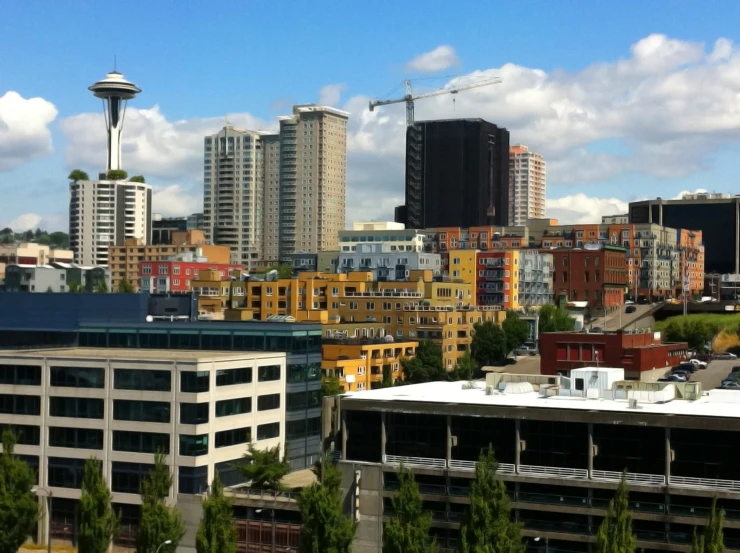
[729, 322]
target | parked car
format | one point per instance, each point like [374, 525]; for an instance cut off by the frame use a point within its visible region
[704, 357]
[526, 349]
[697, 363]
[629, 302]
[735, 369]
[733, 385]
[630, 309]
[687, 366]
[673, 378]
[726, 355]
[596, 330]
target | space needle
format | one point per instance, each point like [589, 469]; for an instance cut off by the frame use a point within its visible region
[115, 91]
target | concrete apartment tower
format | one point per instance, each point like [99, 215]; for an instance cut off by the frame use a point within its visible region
[527, 184]
[233, 192]
[313, 179]
[107, 211]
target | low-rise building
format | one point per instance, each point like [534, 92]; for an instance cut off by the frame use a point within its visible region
[30, 253]
[176, 273]
[386, 263]
[641, 354]
[56, 277]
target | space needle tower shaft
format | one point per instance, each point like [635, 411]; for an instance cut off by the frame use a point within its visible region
[115, 91]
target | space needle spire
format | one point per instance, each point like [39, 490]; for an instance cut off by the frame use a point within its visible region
[115, 91]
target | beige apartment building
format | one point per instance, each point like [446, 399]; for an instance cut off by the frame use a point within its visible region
[30, 253]
[527, 184]
[271, 195]
[313, 179]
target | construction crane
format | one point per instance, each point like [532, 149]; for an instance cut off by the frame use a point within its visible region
[409, 97]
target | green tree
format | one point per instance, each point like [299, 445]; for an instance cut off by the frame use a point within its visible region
[330, 386]
[125, 286]
[78, 174]
[555, 319]
[408, 530]
[516, 330]
[426, 366]
[98, 522]
[216, 531]
[489, 344]
[117, 174]
[19, 507]
[137, 178]
[73, 287]
[49, 290]
[102, 287]
[387, 377]
[59, 239]
[264, 469]
[158, 522]
[615, 533]
[325, 528]
[487, 526]
[465, 367]
[711, 540]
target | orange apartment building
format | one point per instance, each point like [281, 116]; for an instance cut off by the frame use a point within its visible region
[360, 364]
[123, 260]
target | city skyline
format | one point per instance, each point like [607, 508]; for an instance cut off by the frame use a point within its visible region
[617, 114]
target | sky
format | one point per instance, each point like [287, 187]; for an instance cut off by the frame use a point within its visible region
[624, 100]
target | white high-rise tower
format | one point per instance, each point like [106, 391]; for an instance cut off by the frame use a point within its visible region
[109, 210]
[115, 91]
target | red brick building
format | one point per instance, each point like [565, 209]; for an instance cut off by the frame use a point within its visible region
[635, 353]
[596, 274]
[175, 276]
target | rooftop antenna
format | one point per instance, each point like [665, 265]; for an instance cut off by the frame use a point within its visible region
[115, 64]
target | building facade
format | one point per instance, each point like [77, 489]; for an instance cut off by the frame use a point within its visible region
[176, 275]
[561, 444]
[457, 174]
[615, 219]
[163, 227]
[527, 185]
[30, 253]
[313, 179]
[387, 263]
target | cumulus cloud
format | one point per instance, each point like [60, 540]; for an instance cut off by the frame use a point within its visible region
[579, 208]
[32, 221]
[330, 94]
[176, 200]
[24, 129]
[442, 57]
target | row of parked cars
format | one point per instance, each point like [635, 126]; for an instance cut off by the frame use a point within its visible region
[732, 380]
[683, 371]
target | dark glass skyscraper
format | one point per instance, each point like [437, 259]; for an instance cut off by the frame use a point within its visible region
[457, 174]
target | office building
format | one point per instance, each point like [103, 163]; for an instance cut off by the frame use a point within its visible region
[121, 406]
[457, 174]
[126, 257]
[615, 219]
[527, 185]
[110, 210]
[233, 189]
[561, 443]
[163, 227]
[313, 179]
[717, 216]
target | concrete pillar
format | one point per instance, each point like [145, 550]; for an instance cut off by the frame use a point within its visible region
[517, 444]
[344, 435]
[43, 524]
[590, 449]
[383, 436]
[448, 455]
[668, 455]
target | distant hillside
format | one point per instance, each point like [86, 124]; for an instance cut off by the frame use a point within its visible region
[55, 239]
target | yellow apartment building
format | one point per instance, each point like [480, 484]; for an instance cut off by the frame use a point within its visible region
[123, 260]
[359, 364]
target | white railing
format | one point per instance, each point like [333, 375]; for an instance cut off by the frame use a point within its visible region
[632, 477]
[455, 464]
[532, 470]
[712, 483]
[415, 461]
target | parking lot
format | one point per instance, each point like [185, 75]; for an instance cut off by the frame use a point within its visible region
[712, 376]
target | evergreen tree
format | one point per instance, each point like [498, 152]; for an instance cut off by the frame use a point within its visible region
[426, 366]
[487, 527]
[19, 507]
[489, 344]
[159, 522]
[387, 377]
[325, 529]
[264, 469]
[615, 533]
[555, 319]
[465, 367]
[516, 330]
[711, 540]
[98, 523]
[102, 287]
[408, 530]
[125, 287]
[216, 531]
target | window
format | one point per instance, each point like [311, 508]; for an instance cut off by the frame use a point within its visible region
[163, 269]
[303, 400]
[78, 377]
[141, 411]
[230, 407]
[194, 382]
[147, 381]
[25, 434]
[75, 438]
[579, 384]
[231, 377]
[268, 373]
[77, 407]
[65, 472]
[268, 431]
[192, 480]
[193, 413]
[234, 436]
[268, 402]
[192, 446]
[141, 442]
[146, 269]
[127, 477]
[20, 375]
[16, 404]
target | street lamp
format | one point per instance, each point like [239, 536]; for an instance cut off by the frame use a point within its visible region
[547, 543]
[49, 499]
[272, 517]
[166, 542]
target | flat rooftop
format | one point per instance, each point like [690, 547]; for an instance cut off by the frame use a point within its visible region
[138, 354]
[716, 403]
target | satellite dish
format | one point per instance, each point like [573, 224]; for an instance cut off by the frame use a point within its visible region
[388, 338]
[149, 318]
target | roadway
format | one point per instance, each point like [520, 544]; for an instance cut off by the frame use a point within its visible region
[621, 319]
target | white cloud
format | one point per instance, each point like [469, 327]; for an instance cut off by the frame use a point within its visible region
[175, 200]
[24, 129]
[579, 208]
[32, 221]
[330, 94]
[442, 57]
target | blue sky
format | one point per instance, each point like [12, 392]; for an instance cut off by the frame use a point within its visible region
[200, 61]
